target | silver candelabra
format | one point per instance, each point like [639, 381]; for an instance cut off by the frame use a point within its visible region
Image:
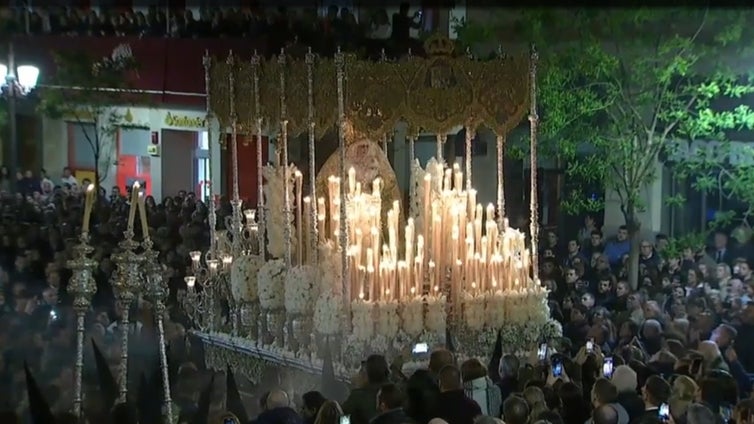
[82, 288]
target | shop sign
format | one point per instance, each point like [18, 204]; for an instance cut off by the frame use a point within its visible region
[734, 153]
[184, 121]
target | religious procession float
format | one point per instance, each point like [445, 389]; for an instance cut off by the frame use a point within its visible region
[339, 263]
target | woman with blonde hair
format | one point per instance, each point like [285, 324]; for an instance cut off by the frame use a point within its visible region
[329, 413]
[684, 388]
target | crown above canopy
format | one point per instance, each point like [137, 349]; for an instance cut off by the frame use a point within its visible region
[431, 94]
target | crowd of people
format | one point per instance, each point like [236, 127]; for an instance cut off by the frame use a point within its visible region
[675, 348]
[281, 27]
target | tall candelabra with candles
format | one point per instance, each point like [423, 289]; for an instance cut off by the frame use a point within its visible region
[200, 300]
[156, 291]
[126, 281]
[82, 288]
[452, 264]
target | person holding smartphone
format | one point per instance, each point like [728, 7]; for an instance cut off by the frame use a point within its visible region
[655, 393]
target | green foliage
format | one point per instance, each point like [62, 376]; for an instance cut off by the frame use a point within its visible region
[676, 245]
[84, 90]
[616, 86]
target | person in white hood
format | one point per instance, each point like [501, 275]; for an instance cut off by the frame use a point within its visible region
[606, 407]
[478, 386]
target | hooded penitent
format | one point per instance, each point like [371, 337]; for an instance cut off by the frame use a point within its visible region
[329, 382]
[108, 384]
[449, 340]
[233, 399]
[38, 406]
[202, 413]
[497, 353]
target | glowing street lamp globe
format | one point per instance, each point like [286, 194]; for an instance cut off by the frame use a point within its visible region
[23, 80]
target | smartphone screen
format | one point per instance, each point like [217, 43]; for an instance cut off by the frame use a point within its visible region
[590, 346]
[557, 368]
[420, 348]
[345, 419]
[542, 352]
[726, 413]
[663, 412]
[607, 367]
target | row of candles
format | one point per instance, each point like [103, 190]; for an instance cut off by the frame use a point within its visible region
[137, 201]
[452, 236]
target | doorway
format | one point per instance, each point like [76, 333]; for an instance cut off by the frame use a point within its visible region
[179, 150]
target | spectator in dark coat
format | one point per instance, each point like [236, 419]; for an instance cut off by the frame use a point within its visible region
[454, 406]
[422, 391]
[390, 406]
[625, 380]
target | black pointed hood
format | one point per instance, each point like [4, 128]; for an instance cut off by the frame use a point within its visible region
[108, 384]
[38, 406]
[202, 408]
[449, 340]
[497, 354]
[233, 402]
[150, 398]
[329, 381]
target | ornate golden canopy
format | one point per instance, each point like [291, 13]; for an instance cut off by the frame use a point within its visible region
[432, 94]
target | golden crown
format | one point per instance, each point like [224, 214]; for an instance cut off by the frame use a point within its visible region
[439, 45]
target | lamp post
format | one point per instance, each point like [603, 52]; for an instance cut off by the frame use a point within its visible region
[17, 82]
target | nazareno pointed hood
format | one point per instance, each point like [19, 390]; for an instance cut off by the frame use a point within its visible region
[108, 384]
[38, 406]
[233, 401]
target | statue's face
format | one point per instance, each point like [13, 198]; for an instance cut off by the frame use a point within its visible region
[363, 156]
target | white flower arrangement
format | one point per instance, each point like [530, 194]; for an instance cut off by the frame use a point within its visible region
[526, 306]
[362, 319]
[412, 316]
[299, 282]
[271, 285]
[274, 200]
[388, 321]
[520, 339]
[473, 310]
[494, 310]
[436, 317]
[243, 278]
[327, 312]
[330, 269]
[353, 351]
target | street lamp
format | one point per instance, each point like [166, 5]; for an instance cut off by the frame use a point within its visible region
[17, 82]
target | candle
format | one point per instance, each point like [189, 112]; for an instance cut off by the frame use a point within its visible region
[299, 222]
[351, 181]
[370, 273]
[321, 217]
[133, 205]
[143, 216]
[88, 205]
[426, 217]
[308, 225]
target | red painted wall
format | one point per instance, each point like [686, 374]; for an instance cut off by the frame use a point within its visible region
[165, 64]
[247, 166]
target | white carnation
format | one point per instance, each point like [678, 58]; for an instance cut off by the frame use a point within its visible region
[243, 278]
[327, 311]
[495, 310]
[388, 322]
[436, 319]
[473, 311]
[271, 284]
[413, 317]
[274, 198]
[299, 282]
[330, 269]
[362, 319]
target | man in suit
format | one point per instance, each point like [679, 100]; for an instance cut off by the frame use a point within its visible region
[655, 392]
[721, 252]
